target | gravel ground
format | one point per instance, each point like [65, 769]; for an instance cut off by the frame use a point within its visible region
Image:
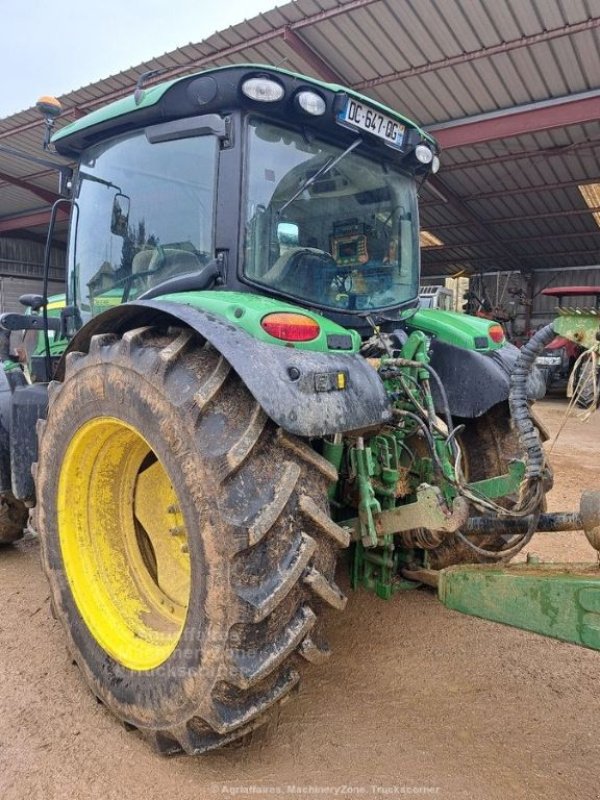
[416, 701]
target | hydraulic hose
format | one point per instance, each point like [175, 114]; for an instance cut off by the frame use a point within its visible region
[530, 493]
[517, 400]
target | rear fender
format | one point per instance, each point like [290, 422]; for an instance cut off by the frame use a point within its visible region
[300, 390]
[474, 382]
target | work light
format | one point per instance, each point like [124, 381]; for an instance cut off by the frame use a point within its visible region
[262, 89]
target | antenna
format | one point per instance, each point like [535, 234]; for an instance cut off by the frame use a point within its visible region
[138, 94]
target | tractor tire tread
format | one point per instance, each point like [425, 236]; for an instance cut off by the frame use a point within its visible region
[280, 548]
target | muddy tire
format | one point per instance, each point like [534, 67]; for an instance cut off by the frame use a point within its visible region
[186, 539]
[587, 379]
[13, 518]
[489, 443]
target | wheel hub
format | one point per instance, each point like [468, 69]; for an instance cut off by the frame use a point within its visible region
[124, 543]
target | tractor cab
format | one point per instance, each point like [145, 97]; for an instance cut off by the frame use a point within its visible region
[332, 228]
[247, 179]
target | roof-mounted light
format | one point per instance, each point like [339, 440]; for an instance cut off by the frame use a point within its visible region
[50, 108]
[264, 90]
[311, 102]
[423, 154]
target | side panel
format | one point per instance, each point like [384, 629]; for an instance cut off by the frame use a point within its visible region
[301, 391]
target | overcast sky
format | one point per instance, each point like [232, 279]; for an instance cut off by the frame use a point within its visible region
[54, 47]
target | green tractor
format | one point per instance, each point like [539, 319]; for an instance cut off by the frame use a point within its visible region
[240, 389]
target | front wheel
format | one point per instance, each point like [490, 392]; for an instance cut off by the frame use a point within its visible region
[187, 541]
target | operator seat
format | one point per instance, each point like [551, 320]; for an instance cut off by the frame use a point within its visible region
[306, 272]
[161, 263]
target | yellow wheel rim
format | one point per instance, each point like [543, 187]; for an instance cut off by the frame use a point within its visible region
[124, 544]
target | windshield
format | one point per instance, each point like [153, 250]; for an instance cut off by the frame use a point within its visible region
[326, 225]
[144, 214]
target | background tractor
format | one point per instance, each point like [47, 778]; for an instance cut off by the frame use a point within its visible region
[565, 363]
[240, 385]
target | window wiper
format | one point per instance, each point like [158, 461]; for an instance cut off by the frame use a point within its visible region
[327, 167]
[89, 177]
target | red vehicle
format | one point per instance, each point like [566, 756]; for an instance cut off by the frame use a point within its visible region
[558, 359]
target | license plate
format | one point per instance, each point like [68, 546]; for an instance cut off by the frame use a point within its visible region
[548, 361]
[357, 115]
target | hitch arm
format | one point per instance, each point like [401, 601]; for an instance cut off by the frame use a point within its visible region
[428, 511]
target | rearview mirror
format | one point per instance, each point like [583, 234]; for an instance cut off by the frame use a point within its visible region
[119, 222]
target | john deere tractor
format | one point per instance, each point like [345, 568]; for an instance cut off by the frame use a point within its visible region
[240, 389]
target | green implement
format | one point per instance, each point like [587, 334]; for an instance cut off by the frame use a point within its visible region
[557, 600]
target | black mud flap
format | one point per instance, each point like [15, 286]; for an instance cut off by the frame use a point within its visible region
[475, 382]
[5, 404]
[9, 383]
[306, 393]
[29, 403]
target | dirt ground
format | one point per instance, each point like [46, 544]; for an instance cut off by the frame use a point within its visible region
[417, 700]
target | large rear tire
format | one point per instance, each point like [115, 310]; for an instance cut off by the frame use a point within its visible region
[187, 541]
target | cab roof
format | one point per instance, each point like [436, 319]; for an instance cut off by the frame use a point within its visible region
[147, 105]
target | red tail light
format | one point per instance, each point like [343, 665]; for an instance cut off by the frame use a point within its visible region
[496, 333]
[290, 327]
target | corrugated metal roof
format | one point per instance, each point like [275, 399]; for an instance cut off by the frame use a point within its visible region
[514, 201]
